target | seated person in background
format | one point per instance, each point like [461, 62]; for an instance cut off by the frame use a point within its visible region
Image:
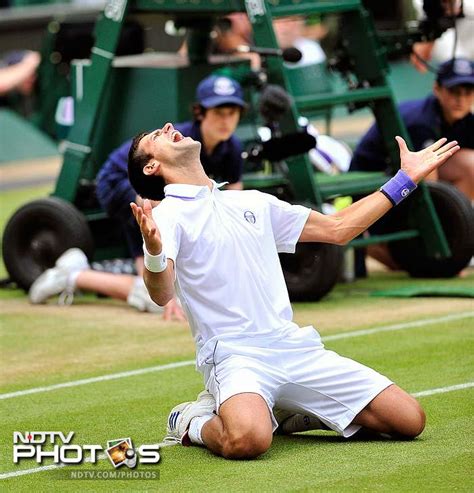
[454, 42]
[217, 111]
[18, 76]
[290, 32]
[445, 112]
[19, 72]
[235, 30]
[232, 31]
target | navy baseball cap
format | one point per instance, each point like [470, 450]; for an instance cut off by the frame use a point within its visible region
[456, 72]
[217, 90]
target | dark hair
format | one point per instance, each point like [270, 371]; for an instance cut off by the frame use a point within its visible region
[199, 112]
[148, 187]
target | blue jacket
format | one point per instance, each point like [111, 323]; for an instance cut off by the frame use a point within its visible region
[425, 124]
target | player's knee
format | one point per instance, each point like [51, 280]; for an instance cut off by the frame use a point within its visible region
[419, 421]
[246, 444]
[414, 421]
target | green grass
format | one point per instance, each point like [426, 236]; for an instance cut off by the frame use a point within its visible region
[436, 355]
[45, 345]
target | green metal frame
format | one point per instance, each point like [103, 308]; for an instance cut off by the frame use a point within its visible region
[78, 148]
[370, 68]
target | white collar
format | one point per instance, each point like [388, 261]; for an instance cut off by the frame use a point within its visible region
[189, 192]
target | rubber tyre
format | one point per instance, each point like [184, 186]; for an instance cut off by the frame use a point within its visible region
[312, 271]
[457, 219]
[38, 233]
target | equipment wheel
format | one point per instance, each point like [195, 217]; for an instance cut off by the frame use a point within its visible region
[38, 233]
[457, 219]
[312, 271]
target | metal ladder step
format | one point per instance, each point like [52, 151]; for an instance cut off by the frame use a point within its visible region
[292, 7]
[330, 99]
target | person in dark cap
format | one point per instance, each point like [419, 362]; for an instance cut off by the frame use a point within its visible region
[216, 114]
[445, 112]
[448, 112]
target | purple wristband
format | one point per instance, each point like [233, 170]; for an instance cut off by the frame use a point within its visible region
[398, 188]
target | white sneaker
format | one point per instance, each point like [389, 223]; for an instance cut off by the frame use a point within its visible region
[140, 299]
[73, 259]
[56, 280]
[290, 422]
[182, 414]
[281, 415]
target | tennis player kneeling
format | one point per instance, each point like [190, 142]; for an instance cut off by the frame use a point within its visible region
[219, 251]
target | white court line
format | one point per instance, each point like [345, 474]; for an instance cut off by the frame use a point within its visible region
[407, 325]
[102, 378]
[169, 366]
[442, 390]
[14, 474]
[423, 393]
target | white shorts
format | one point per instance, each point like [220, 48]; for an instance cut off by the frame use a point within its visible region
[296, 374]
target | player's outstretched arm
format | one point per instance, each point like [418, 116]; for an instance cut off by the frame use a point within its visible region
[345, 225]
[159, 272]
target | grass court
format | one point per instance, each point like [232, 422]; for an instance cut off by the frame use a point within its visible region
[104, 371]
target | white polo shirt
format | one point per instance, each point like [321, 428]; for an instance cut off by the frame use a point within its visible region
[225, 248]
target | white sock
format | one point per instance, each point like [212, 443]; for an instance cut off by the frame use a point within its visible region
[302, 422]
[195, 428]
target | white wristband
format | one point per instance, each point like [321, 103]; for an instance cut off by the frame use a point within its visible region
[154, 263]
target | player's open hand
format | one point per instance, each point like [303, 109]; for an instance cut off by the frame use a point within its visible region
[150, 232]
[419, 164]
